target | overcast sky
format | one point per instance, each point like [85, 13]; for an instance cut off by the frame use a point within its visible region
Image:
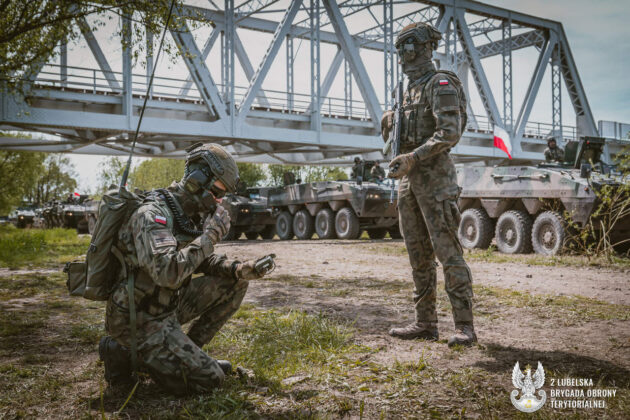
[598, 33]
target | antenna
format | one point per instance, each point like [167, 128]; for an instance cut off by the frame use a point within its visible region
[125, 175]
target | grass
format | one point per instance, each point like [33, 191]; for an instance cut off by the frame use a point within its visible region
[29, 247]
[278, 345]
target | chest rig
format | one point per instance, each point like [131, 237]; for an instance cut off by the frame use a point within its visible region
[419, 122]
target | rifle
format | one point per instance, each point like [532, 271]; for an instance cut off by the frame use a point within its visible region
[392, 146]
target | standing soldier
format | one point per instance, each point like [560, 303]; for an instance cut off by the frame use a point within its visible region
[377, 173]
[553, 153]
[357, 169]
[161, 250]
[434, 119]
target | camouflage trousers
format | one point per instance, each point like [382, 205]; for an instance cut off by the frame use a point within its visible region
[173, 358]
[429, 226]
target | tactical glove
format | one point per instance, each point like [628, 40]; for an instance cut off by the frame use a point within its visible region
[401, 165]
[387, 122]
[255, 269]
[217, 225]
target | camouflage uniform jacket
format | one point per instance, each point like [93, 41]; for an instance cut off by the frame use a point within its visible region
[554, 155]
[357, 170]
[434, 119]
[164, 261]
[377, 172]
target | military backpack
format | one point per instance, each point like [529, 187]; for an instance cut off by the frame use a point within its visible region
[96, 277]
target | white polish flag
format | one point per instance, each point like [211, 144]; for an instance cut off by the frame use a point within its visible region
[502, 140]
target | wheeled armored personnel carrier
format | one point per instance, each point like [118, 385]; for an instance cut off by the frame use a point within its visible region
[250, 215]
[334, 209]
[23, 216]
[70, 213]
[523, 207]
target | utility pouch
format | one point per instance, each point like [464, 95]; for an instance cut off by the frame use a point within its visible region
[77, 277]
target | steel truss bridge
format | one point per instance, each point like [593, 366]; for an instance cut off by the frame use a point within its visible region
[95, 110]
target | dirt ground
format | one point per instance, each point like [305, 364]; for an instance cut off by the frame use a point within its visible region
[574, 320]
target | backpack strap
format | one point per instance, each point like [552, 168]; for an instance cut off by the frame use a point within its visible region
[132, 320]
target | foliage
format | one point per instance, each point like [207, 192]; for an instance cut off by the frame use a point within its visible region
[18, 172]
[305, 173]
[599, 238]
[56, 180]
[31, 30]
[110, 173]
[252, 174]
[156, 173]
[21, 247]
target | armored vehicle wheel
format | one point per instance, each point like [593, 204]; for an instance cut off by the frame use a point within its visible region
[268, 232]
[252, 236]
[548, 233]
[347, 224]
[91, 224]
[394, 232]
[325, 224]
[232, 234]
[475, 229]
[377, 233]
[514, 232]
[284, 226]
[303, 224]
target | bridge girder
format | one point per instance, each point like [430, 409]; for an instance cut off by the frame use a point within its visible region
[94, 110]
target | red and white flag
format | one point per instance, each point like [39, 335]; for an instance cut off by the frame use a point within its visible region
[502, 140]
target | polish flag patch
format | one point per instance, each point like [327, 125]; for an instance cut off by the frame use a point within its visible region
[160, 219]
[443, 82]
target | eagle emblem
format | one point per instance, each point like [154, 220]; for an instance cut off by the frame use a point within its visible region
[528, 385]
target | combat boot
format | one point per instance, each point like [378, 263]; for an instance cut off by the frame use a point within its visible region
[422, 330]
[117, 361]
[464, 335]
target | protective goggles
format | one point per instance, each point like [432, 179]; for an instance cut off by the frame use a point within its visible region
[407, 50]
[200, 180]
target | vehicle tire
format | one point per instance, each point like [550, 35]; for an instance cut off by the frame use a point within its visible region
[394, 232]
[514, 232]
[232, 234]
[377, 233]
[91, 224]
[548, 233]
[252, 236]
[303, 224]
[325, 224]
[347, 224]
[475, 229]
[284, 226]
[268, 232]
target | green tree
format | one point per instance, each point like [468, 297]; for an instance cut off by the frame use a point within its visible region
[19, 172]
[31, 30]
[110, 173]
[305, 173]
[252, 174]
[156, 173]
[56, 180]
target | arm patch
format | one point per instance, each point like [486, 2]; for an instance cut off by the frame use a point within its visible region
[447, 100]
[162, 238]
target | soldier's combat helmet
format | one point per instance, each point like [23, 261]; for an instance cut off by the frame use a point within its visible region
[207, 163]
[416, 34]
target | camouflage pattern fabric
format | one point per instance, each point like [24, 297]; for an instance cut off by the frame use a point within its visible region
[357, 170]
[427, 195]
[554, 155]
[377, 172]
[167, 296]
